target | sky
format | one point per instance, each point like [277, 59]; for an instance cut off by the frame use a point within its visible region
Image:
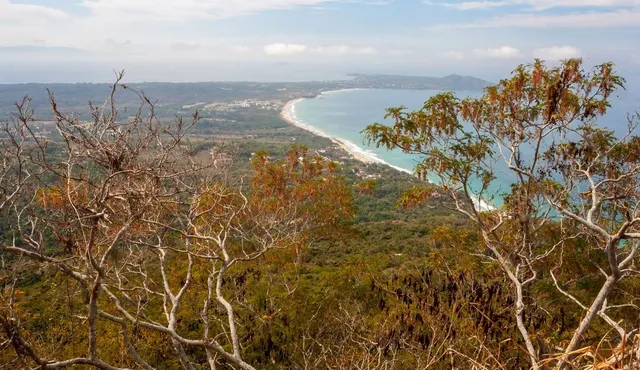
[295, 40]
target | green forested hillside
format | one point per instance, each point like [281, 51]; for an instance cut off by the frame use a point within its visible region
[131, 239]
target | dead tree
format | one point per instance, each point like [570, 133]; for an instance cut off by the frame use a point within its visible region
[148, 229]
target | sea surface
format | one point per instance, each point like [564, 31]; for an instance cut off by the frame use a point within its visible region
[344, 114]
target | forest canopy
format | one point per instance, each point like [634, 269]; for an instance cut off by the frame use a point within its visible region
[127, 243]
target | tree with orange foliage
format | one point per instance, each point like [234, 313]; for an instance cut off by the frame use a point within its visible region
[569, 180]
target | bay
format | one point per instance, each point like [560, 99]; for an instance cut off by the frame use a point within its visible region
[344, 114]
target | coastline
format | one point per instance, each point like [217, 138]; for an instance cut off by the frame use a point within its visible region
[288, 114]
[342, 90]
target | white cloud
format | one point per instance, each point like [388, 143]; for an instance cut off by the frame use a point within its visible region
[332, 50]
[284, 49]
[28, 12]
[533, 4]
[470, 5]
[343, 50]
[557, 52]
[548, 4]
[176, 11]
[452, 54]
[366, 51]
[506, 52]
[621, 18]
[323, 8]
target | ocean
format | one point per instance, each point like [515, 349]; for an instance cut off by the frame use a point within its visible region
[344, 114]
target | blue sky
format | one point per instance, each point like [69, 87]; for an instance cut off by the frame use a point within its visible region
[484, 37]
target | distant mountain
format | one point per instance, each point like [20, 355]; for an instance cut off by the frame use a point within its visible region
[450, 82]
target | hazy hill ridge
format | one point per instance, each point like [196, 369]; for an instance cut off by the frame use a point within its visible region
[74, 96]
[450, 82]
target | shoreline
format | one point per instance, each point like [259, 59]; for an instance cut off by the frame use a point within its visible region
[288, 114]
[342, 90]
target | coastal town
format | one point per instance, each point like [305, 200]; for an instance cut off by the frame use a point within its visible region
[243, 103]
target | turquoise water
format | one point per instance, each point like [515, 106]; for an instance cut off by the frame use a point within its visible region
[344, 114]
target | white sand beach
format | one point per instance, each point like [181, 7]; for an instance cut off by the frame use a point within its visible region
[288, 113]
